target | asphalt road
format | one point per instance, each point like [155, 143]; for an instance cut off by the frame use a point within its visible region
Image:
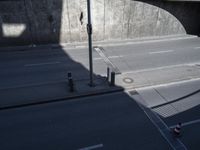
[52, 64]
[162, 54]
[112, 121]
[106, 122]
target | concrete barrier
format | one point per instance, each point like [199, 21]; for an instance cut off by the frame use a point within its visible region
[58, 21]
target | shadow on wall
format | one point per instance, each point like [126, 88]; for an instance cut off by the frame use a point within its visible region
[30, 22]
[39, 21]
[39, 74]
[25, 22]
[187, 12]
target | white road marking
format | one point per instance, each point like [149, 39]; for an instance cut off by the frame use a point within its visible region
[99, 58]
[160, 52]
[42, 64]
[92, 147]
[188, 123]
[159, 68]
[169, 84]
[115, 56]
[196, 47]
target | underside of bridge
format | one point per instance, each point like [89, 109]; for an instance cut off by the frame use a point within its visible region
[24, 22]
[186, 11]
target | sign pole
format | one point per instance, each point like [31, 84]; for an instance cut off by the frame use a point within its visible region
[89, 31]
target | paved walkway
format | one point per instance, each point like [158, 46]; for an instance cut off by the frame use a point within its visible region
[157, 76]
[51, 92]
[168, 104]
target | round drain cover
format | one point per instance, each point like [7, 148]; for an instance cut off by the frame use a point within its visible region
[128, 80]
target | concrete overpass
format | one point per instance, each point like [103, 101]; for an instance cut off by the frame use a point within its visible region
[25, 22]
[186, 11]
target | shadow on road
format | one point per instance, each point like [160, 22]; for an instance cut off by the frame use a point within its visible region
[39, 73]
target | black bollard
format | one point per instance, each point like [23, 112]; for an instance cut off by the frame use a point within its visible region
[69, 74]
[112, 80]
[70, 82]
[108, 73]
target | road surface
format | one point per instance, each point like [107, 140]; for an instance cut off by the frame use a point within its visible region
[107, 122]
[112, 121]
[52, 64]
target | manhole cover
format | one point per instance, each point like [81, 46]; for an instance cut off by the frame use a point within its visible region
[128, 80]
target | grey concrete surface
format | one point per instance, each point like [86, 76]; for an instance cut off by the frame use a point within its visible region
[114, 121]
[57, 21]
[183, 107]
[42, 72]
[187, 12]
[22, 96]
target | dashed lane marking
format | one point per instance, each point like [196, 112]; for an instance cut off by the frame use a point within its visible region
[161, 52]
[92, 147]
[196, 47]
[120, 56]
[42, 64]
[160, 68]
[98, 58]
[111, 57]
[188, 123]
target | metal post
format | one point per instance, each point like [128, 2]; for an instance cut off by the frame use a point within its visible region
[112, 80]
[70, 82]
[108, 73]
[89, 30]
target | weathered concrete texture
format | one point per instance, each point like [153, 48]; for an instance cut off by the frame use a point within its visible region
[44, 18]
[120, 19]
[53, 21]
[12, 14]
[187, 12]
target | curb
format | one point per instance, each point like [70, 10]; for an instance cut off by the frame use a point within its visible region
[98, 43]
[70, 97]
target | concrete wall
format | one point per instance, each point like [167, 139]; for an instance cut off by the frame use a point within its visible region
[35, 16]
[187, 12]
[51, 21]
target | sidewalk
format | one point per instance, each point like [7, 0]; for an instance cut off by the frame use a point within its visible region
[58, 91]
[51, 92]
[157, 76]
[171, 99]
[168, 104]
